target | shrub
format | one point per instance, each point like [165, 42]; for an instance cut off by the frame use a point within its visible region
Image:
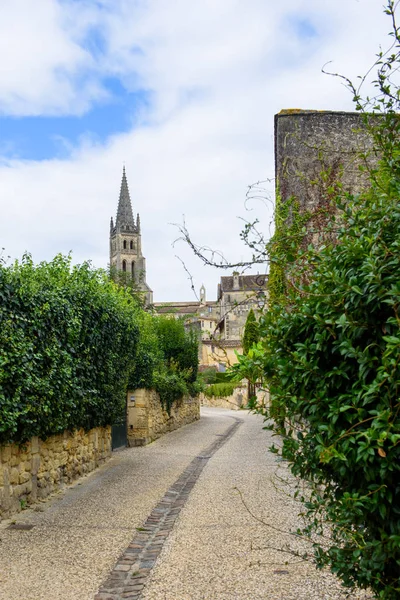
[331, 358]
[219, 390]
[251, 334]
[68, 338]
[167, 359]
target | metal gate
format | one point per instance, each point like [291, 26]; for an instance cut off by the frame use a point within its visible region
[118, 435]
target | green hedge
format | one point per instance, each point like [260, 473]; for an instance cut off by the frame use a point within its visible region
[219, 390]
[167, 359]
[68, 339]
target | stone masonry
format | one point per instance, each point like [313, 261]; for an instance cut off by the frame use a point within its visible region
[31, 471]
[148, 420]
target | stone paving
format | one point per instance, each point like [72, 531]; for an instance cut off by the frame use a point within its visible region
[128, 578]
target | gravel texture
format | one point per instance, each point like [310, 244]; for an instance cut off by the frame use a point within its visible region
[79, 534]
[216, 548]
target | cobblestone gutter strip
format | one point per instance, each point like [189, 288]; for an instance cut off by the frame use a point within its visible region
[128, 578]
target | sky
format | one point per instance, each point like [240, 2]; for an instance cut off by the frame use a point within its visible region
[183, 92]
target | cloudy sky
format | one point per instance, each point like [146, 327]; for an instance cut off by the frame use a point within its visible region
[183, 92]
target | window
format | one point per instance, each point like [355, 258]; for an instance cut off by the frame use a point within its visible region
[133, 269]
[131, 246]
[124, 244]
[124, 265]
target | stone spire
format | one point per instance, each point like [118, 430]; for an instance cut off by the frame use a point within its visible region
[125, 219]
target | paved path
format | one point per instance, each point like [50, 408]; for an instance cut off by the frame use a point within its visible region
[168, 522]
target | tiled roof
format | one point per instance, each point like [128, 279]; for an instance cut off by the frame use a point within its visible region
[246, 282]
[182, 308]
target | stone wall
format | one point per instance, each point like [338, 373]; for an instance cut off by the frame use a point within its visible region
[148, 420]
[314, 149]
[235, 401]
[34, 470]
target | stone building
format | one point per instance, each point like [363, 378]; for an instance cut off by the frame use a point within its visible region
[220, 324]
[126, 256]
[317, 155]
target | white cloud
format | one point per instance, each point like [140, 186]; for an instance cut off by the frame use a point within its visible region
[43, 68]
[218, 70]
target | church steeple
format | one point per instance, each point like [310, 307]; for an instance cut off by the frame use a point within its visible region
[126, 258]
[125, 220]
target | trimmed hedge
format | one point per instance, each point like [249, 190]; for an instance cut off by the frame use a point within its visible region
[219, 390]
[68, 339]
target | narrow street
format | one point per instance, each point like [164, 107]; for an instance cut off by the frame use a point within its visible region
[202, 513]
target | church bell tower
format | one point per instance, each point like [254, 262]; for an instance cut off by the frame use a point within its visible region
[125, 243]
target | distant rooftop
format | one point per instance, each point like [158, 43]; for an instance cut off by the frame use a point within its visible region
[246, 282]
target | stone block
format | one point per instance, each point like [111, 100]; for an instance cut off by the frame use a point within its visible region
[5, 453]
[14, 476]
[35, 464]
[24, 477]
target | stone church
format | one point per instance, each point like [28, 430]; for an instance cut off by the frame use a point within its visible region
[126, 256]
[219, 323]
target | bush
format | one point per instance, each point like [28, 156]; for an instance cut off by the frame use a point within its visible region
[209, 375]
[223, 377]
[167, 359]
[331, 358]
[251, 334]
[179, 347]
[219, 390]
[68, 339]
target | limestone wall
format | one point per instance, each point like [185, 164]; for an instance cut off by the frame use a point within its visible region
[236, 401]
[147, 420]
[315, 148]
[34, 470]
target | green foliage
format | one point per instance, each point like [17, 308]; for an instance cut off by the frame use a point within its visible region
[329, 353]
[72, 341]
[68, 338]
[284, 246]
[178, 346]
[332, 364]
[170, 386]
[223, 377]
[149, 356]
[219, 390]
[251, 333]
[208, 375]
[167, 359]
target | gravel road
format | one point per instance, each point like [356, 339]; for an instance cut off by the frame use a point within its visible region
[218, 548]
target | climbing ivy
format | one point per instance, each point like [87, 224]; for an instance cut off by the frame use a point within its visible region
[284, 246]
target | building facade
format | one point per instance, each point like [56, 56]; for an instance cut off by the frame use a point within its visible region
[220, 324]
